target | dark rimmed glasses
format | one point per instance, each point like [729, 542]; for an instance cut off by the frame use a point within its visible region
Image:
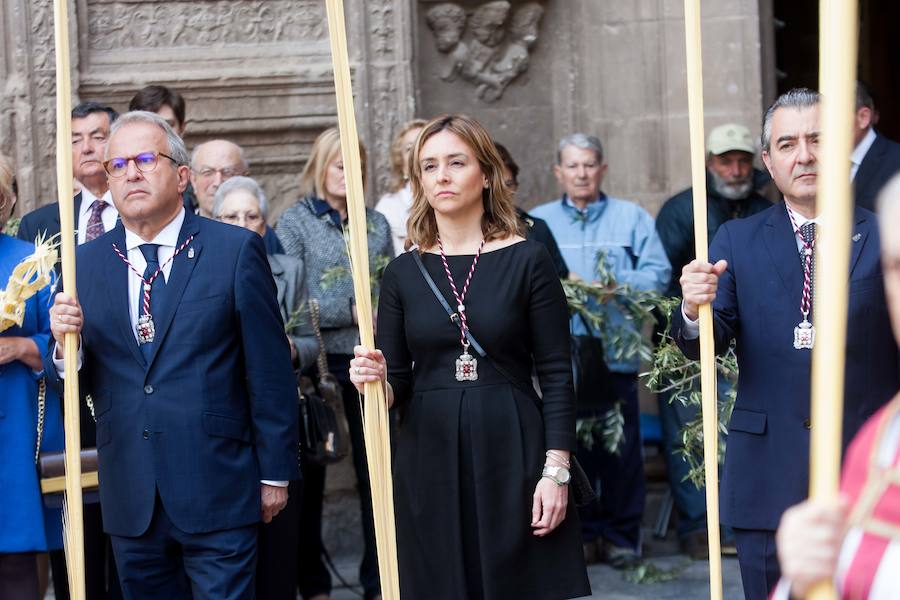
[145, 162]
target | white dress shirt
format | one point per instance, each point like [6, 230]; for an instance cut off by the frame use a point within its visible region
[691, 329]
[395, 208]
[859, 153]
[109, 216]
[167, 240]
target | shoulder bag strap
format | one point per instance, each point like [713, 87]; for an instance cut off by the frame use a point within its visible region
[322, 359]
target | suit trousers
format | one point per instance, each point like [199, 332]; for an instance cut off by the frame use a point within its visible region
[277, 566]
[758, 560]
[166, 562]
[616, 517]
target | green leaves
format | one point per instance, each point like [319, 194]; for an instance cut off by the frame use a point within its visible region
[12, 226]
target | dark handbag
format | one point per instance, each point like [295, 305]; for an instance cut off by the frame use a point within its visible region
[51, 466]
[582, 491]
[324, 433]
[594, 390]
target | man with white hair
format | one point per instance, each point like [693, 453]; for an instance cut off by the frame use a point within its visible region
[182, 348]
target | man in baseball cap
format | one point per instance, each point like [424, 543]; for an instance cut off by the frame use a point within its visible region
[731, 193]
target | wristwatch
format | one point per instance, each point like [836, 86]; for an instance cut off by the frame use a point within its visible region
[560, 475]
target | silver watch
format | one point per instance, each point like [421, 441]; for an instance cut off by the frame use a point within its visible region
[560, 475]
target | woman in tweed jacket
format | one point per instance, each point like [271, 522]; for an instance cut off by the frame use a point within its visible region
[313, 231]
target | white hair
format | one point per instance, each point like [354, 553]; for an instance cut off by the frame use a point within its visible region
[580, 140]
[239, 182]
[795, 98]
[177, 150]
[240, 152]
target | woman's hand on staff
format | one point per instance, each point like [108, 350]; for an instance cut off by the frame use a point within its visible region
[369, 366]
[65, 317]
[809, 541]
[549, 506]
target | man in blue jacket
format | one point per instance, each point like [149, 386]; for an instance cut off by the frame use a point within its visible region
[184, 353]
[761, 281]
[586, 222]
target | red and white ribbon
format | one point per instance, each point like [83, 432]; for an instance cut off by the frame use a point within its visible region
[148, 283]
[460, 298]
[809, 248]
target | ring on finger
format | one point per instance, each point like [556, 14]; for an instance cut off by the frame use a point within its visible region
[358, 370]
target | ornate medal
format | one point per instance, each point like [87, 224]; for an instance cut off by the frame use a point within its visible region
[466, 366]
[145, 329]
[804, 335]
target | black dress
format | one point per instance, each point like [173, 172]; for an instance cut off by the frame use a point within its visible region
[467, 455]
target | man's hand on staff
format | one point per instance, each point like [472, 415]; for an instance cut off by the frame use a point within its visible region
[699, 281]
[65, 317]
[274, 499]
[809, 542]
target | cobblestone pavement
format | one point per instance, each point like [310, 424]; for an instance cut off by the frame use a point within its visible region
[609, 584]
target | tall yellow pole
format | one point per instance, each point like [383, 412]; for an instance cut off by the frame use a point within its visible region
[838, 28]
[693, 47]
[73, 508]
[375, 414]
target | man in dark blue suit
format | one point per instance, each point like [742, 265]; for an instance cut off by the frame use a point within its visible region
[756, 284]
[184, 352]
[875, 158]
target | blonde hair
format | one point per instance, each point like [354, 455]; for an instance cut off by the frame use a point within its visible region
[326, 147]
[7, 176]
[397, 178]
[499, 220]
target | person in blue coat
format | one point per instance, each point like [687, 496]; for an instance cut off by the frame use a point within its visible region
[756, 282]
[26, 528]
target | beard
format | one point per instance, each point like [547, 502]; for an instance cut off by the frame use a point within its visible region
[732, 190]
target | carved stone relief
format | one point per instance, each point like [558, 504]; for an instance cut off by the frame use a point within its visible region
[488, 48]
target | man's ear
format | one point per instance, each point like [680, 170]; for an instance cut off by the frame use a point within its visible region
[184, 177]
[767, 161]
[557, 171]
[864, 118]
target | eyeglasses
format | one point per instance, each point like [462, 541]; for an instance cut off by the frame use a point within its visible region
[226, 173]
[145, 162]
[249, 218]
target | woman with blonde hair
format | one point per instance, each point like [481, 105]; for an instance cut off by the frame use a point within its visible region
[313, 231]
[395, 205]
[480, 462]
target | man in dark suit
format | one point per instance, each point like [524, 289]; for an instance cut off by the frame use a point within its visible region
[755, 281]
[875, 158]
[184, 352]
[95, 214]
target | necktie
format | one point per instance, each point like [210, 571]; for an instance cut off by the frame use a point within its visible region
[808, 231]
[157, 291]
[95, 222]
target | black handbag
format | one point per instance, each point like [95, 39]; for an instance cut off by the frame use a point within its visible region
[324, 432]
[594, 390]
[582, 491]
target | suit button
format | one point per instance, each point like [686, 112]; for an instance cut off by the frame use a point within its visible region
[146, 434]
[148, 389]
[807, 423]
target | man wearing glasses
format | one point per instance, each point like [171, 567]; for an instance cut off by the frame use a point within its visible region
[184, 352]
[213, 163]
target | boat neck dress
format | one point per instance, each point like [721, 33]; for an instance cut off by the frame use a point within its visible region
[468, 455]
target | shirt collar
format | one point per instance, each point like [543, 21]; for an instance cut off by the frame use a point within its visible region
[859, 153]
[321, 207]
[799, 219]
[167, 237]
[589, 212]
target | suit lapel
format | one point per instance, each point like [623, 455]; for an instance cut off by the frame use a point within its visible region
[781, 242]
[182, 267]
[117, 275]
[861, 229]
[868, 167]
[280, 284]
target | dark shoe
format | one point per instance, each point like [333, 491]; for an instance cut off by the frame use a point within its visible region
[696, 545]
[591, 552]
[618, 557]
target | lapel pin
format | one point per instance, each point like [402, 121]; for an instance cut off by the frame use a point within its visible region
[191, 252]
[857, 237]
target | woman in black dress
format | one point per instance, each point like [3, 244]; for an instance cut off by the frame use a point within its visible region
[480, 464]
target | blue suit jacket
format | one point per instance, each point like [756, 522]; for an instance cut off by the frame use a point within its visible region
[215, 410]
[758, 306]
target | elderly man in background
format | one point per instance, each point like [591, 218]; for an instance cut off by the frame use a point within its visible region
[875, 158]
[182, 347]
[586, 222]
[213, 163]
[730, 194]
[760, 279]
